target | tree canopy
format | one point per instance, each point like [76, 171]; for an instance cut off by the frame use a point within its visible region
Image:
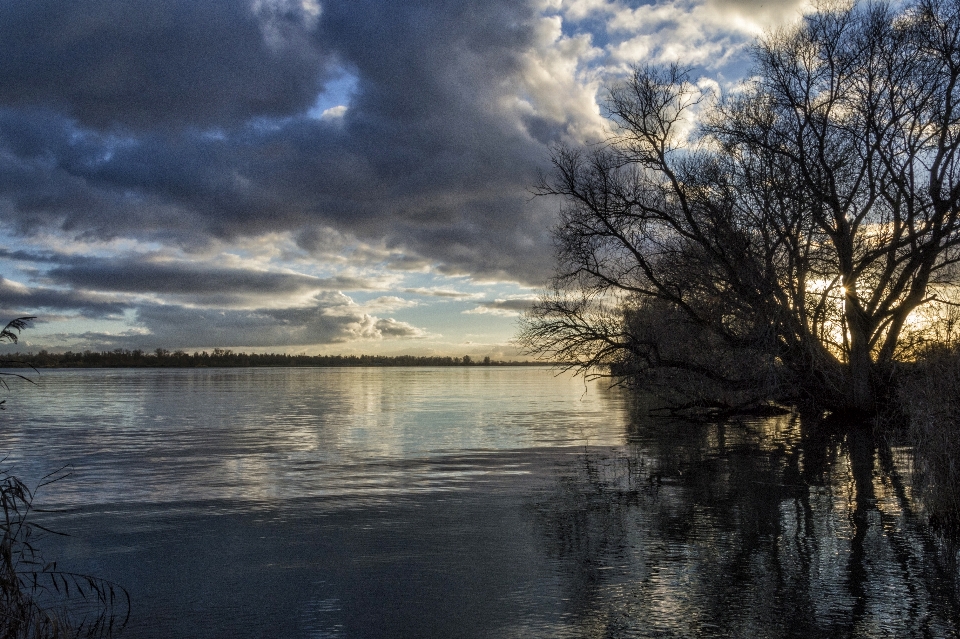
[782, 241]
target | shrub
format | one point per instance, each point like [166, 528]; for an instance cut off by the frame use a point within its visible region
[928, 395]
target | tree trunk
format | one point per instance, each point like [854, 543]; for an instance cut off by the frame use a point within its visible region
[860, 395]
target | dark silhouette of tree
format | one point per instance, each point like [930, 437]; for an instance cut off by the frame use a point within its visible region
[780, 239]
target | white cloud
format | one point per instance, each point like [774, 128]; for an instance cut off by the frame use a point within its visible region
[706, 33]
[580, 9]
[556, 83]
[504, 308]
[333, 113]
[386, 304]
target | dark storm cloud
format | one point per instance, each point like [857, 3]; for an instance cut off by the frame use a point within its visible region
[179, 121]
[143, 275]
[17, 300]
[29, 256]
[178, 278]
[144, 63]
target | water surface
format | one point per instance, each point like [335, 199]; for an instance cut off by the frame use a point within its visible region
[468, 502]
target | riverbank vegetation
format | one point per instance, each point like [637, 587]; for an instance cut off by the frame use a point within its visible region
[163, 358]
[928, 396]
[38, 599]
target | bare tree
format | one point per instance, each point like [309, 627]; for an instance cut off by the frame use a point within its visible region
[800, 224]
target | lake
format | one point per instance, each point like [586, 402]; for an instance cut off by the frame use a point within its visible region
[467, 502]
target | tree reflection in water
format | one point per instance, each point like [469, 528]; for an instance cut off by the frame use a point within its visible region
[767, 528]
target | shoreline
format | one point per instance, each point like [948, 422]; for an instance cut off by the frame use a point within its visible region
[221, 358]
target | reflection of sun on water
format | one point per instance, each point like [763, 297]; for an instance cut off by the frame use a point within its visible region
[891, 493]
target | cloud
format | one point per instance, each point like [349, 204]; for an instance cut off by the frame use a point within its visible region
[386, 303]
[18, 300]
[506, 308]
[439, 292]
[327, 321]
[141, 64]
[434, 151]
[183, 122]
[757, 16]
[141, 275]
[375, 139]
[390, 327]
[333, 113]
[319, 324]
[710, 34]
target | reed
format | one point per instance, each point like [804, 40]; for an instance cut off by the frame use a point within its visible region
[38, 600]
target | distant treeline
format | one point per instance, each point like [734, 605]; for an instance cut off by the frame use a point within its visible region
[163, 358]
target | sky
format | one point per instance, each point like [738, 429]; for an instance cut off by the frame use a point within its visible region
[310, 176]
